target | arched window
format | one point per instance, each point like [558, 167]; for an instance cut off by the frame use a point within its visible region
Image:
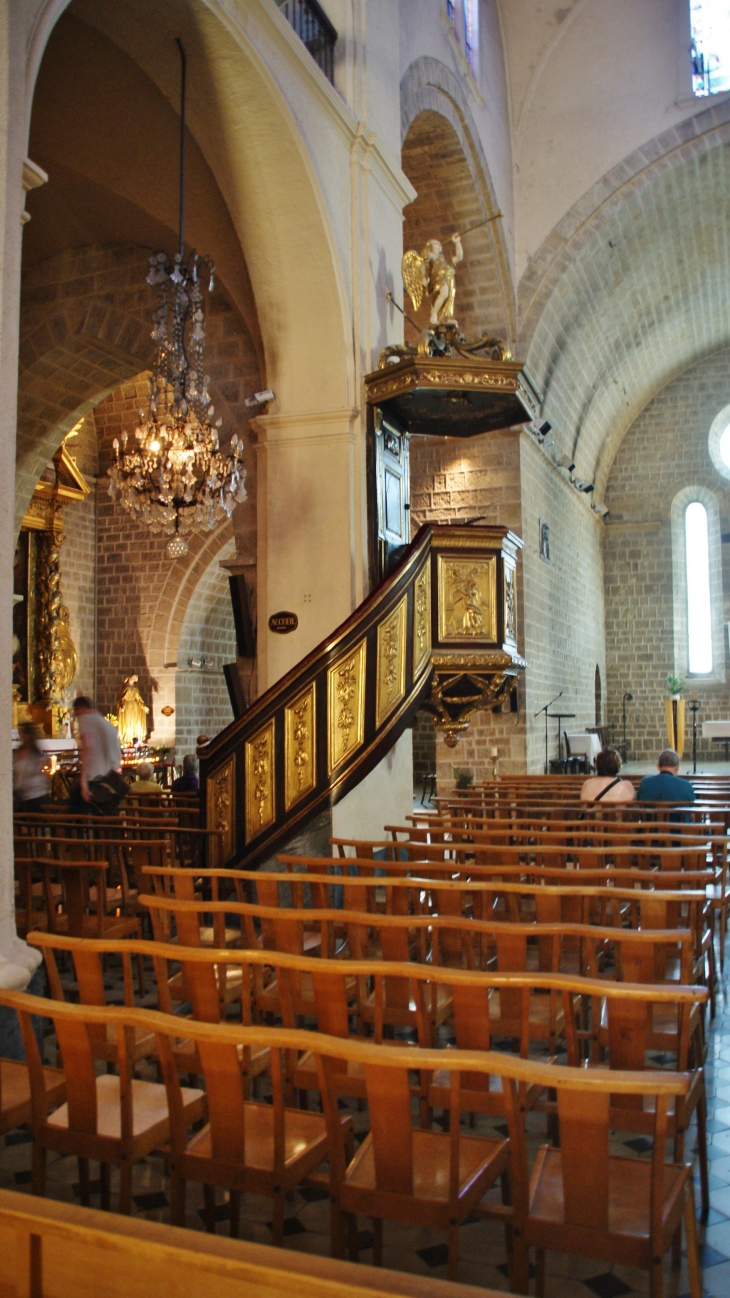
[710, 20]
[699, 602]
[699, 649]
[471, 33]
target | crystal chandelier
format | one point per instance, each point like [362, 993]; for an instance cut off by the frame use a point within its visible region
[173, 476]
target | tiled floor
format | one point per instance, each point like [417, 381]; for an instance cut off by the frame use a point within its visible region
[423, 1251]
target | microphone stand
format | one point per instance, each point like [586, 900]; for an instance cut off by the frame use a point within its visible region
[545, 710]
[627, 698]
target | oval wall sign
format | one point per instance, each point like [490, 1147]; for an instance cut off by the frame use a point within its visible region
[283, 623]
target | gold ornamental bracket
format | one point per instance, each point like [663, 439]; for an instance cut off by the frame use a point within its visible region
[452, 396]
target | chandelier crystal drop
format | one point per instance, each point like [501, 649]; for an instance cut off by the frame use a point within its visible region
[174, 476]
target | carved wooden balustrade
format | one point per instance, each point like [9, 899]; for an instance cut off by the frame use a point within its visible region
[440, 632]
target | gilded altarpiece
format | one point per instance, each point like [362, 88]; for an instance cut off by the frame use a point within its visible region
[467, 599]
[221, 811]
[45, 660]
[260, 795]
[300, 764]
[391, 663]
[346, 706]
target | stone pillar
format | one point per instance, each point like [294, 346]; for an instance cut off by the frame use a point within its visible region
[310, 559]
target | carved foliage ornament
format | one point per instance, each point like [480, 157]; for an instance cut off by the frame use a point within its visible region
[260, 801]
[345, 706]
[220, 809]
[422, 619]
[299, 747]
[391, 685]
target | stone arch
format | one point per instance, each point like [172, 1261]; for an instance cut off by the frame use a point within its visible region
[436, 119]
[287, 242]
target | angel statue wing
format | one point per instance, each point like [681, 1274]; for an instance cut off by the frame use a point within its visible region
[411, 272]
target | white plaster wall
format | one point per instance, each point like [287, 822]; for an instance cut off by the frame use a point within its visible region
[384, 797]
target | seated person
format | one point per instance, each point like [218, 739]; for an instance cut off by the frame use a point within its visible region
[666, 787]
[605, 785]
[188, 781]
[144, 782]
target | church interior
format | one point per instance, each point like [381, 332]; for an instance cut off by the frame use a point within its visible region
[368, 421]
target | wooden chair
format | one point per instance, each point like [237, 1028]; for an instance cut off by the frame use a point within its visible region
[15, 1097]
[584, 1200]
[115, 1119]
[245, 1147]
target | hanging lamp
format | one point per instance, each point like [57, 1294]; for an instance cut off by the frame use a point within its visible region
[172, 475]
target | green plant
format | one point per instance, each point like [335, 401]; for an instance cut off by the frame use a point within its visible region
[463, 779]
[675, 684]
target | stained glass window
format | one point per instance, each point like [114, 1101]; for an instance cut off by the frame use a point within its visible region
[710, 20]
[471, 33]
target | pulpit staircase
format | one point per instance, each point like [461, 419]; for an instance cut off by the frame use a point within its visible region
[439, 633]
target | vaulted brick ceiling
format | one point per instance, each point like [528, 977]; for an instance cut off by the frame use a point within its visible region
[644, 296]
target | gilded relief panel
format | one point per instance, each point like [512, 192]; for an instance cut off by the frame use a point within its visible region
[467, 595]
[391, 662]
[221, 811]
[260, 800]
[422, 619]
[510, 605]
[345, 707]
[299, 747]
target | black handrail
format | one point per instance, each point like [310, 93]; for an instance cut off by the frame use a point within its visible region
[314, 29]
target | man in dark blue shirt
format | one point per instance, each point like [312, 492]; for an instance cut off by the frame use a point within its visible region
[666, 787]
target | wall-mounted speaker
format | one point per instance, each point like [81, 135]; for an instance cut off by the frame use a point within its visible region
[245, 634]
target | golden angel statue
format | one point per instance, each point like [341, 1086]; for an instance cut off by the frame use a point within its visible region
[131, 713]
[433, 273]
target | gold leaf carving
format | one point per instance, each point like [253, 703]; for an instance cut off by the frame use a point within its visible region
[510, 605]
[391, 662]
[421, 618]
[345, 706]
[260, 804]
[299, 747]
[467, 599]
[220, 811]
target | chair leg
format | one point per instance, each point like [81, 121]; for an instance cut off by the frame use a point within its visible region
[105, 1178]
[338, 1247]
[690, 1229]
[656, 1278]
[377, 1241]
[84, 1181]
[235, 1213]
[140, 973]
[209, 1208]
[677, 1247]
[39, 1169]
[277, 1225]
[178, 1187]
[702, 1152]
[539, 1272]
[453, 1250]
[125, 1187]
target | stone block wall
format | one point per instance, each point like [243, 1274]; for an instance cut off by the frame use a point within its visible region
[664, 452]
[563, 601]
[451, 480]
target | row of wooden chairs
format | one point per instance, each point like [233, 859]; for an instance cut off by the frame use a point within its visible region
[630, 1208]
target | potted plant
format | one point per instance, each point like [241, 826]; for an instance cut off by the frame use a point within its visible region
[463, 779]
[674, 708]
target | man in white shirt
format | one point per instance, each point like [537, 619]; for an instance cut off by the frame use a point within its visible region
[100, 751]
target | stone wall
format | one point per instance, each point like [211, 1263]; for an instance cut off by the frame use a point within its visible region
[451, 480]
[563, 601]
[664, 452]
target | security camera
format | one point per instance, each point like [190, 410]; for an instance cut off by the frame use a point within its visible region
[601, 510]
[259, 398]
[565, 462]
[588, 487]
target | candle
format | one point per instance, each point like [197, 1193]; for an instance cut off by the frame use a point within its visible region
[495, 752]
